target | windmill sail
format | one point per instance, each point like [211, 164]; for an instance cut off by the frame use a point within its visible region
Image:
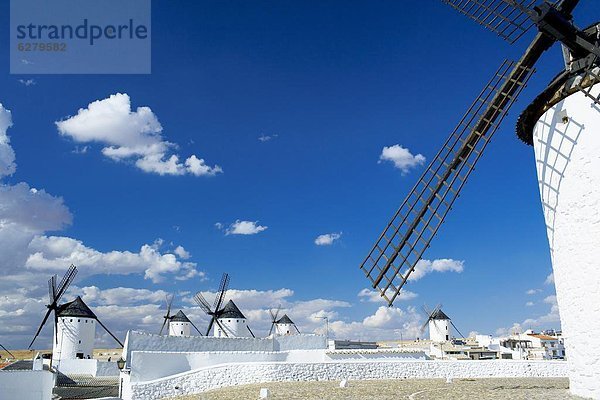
[214, 312]
[509, 19]
[6, 350]
[55, 293]
[591, 78]
[406, 237]
[167, 316]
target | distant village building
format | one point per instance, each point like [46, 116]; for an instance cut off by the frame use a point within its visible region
[544, 347]
[526, 346]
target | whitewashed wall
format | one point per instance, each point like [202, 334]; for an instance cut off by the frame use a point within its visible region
[89, 367]
[296, 342]
[568, 165]
[26, 385]
[147, 366]
[84, 367]
[105, 368]
[139, 341]
[240, 374]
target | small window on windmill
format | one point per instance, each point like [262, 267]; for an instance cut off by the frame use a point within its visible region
[78, 320]
[563, 117]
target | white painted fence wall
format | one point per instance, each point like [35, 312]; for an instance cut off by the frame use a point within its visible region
[26, 385]
[567, 151]
[91, 367]
[148, 365]
[199, 381]
[139, 341]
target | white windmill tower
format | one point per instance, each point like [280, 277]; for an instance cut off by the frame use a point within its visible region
[232, 323]
[282, 326]
[285, 326]
[76, 331]
[229, 320]
[439, 325]
[74, 323]
[178, 324]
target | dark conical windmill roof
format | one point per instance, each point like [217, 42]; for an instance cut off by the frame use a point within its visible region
[180, 317]
[75, 308]
[230, 311]
[284, 320]
[439, 314]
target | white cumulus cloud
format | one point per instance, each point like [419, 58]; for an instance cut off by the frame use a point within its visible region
[131, 135]
[266, 138]
[244, 228]
[401, 157]
[425, 267]
[27, 82]
[327, 239]
[52, 253]
[182, 253]
[7, 154]
[373, 296]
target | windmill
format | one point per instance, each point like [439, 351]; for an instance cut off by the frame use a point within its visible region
[74, 323]
[6, 350]
[178, 318]
[274, 318]
[229, 319]
[214, 311]
[167, 316]
[55, 293]
[399, 248]
[438, 321]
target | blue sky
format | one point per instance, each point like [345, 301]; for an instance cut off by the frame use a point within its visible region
[331, 84]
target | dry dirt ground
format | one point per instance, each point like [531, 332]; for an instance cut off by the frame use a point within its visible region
[411, 389]
[100, 354]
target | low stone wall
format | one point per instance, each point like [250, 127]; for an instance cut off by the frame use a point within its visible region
[201, 380]
[153, 365]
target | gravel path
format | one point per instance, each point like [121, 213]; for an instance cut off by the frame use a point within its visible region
[410, 389]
